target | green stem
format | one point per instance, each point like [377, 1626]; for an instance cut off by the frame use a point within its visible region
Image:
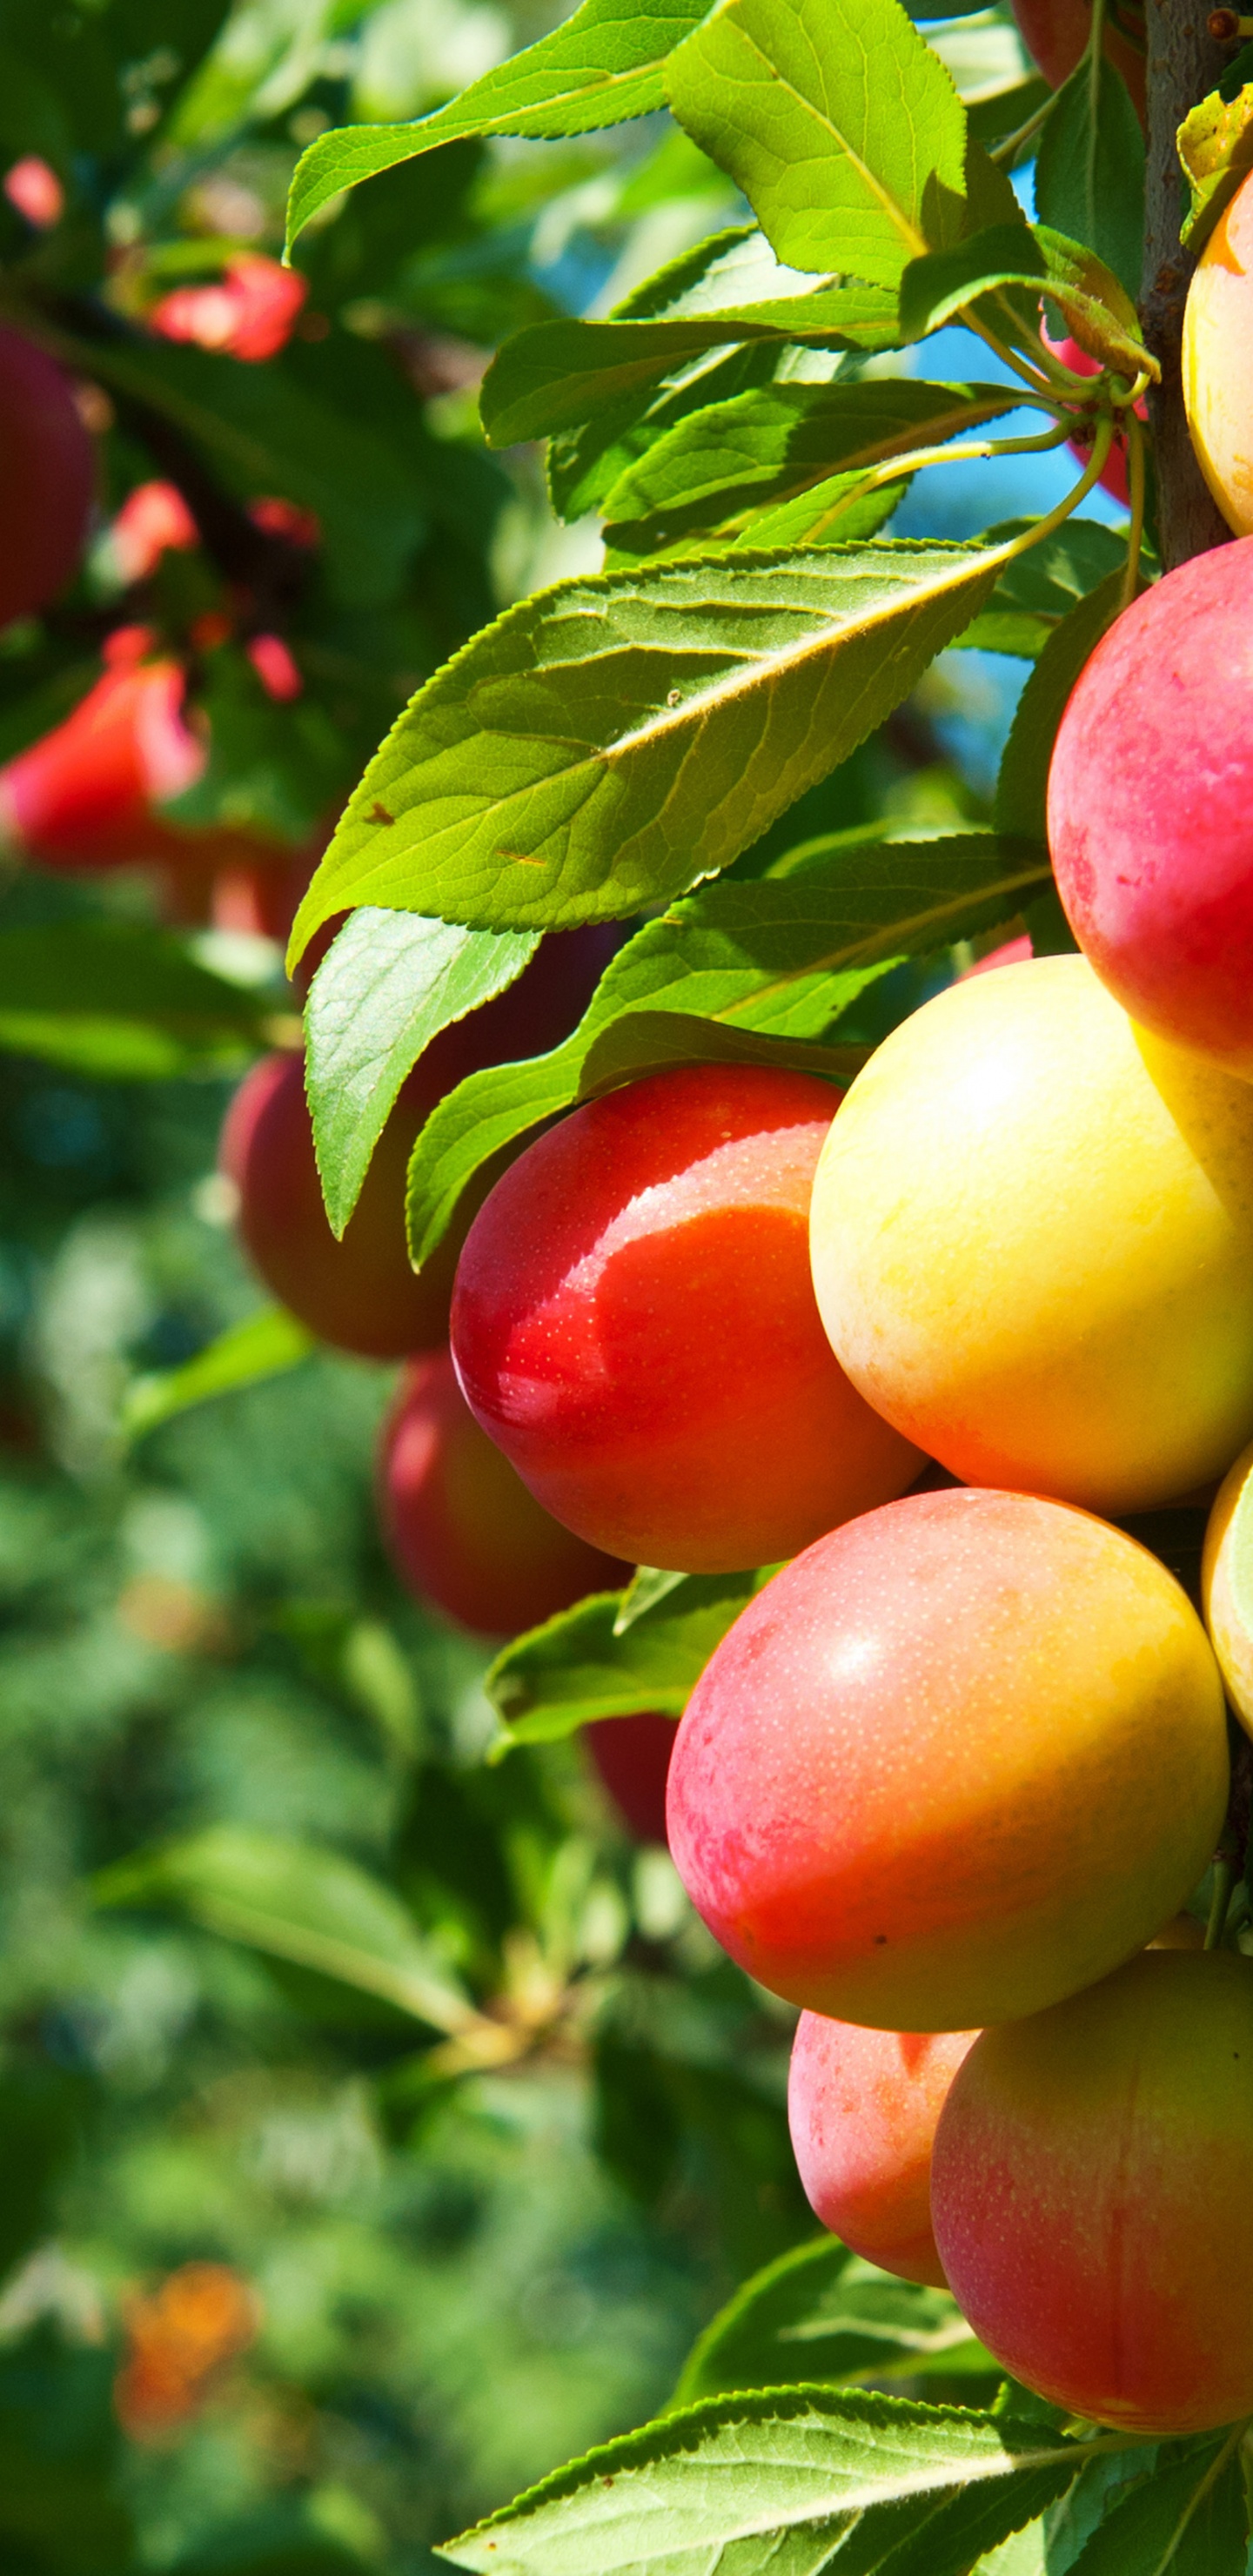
[1224, 1881]
[1011, 143]
[1101, 446]
[959, 452]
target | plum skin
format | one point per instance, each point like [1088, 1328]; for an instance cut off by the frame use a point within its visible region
[862, 2110]
[958, 1760]
[635, 1326]
[1092, 2195]
[1032, 1242]
[1150, 821]
[460, 1526]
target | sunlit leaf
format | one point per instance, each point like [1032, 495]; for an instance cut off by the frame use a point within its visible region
[839, 123]
[557, 375]
[387, 985]
[1090, 170]
[584, 1665]
[719, 467]
[613, 740]
[602, 66]
[779, 2481]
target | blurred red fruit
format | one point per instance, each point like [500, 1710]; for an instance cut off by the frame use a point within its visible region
[34, 188]
[361, 1293]
[1013, 952]
[251, 314]
[275, 666]
[1056, 33]
[83, 796]
[152, 517]
[632, 1755]
[286, 519]
[47, 478]
[462, 1530]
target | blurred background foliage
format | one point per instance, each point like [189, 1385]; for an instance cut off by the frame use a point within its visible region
[291, 2279]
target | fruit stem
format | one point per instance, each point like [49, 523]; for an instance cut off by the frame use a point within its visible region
[1224, 1881]
[1136, 486]
[914, 458]
[1011, 143]
[1101, 446]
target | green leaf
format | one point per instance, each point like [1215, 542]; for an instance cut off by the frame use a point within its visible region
[601, 67]
[297, 1902]
[1010, 266]
[121, 1002]
[992, 118]
[1040, 587]
[723, 463]
[781, 2481]
[1216, 150]
[839, 123]
[586, 1664]
[821, 2314]
[387, 985]
[611, 741]
[734, 972]
[1021, 789]
[1186, 2520]
[557, 375]
[1089, 177]
[941, 283]
[262, 1346]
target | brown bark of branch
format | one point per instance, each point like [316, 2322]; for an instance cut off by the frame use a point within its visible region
[1183, 63]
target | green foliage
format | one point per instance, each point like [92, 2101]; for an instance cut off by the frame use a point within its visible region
[603, 65]
[1090, 173]
[620, 737]
[1022, 785]
[923, 2488]
[840, 125]
[262, 1346]
[602, 1659]
[388, 985]
[120, 1001]
[313, 1907]
[820, 2313]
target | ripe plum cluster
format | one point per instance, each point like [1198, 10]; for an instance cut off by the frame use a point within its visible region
[954, 1777]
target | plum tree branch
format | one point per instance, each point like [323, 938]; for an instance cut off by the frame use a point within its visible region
[1183, 63]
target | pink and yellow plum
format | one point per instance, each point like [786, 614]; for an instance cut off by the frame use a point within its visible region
[960, 1759]
[1149, 818]
[862, 2107]
[1032, 1239]
[1092, 2195]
